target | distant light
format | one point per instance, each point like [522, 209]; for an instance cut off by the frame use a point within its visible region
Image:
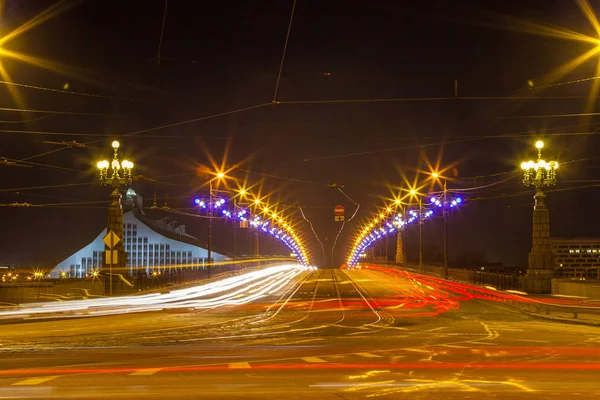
[197, 201]
[433, 199]
[115, 144]
[539, 144]
[458, 200]
[222, 201]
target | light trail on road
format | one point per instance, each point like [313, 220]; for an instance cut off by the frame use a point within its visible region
[235, 290]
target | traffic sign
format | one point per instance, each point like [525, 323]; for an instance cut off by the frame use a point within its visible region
[339, 218]
[111, 257]
[339, 210]
[111, 239]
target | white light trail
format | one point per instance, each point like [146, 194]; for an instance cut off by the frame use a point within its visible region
[235, 290]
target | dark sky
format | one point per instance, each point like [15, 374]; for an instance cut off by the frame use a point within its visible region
[222, 56]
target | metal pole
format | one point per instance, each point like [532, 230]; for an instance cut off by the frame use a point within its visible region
[445, 231]
[405, 234]
[110, 253]
[421, 235]
[234, 224]
[210, 211]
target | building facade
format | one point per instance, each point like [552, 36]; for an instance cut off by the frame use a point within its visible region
[577, 258]
[150, 246]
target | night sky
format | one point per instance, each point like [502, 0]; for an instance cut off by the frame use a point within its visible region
[222, 56]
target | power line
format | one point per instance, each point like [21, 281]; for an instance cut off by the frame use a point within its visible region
[553, 116]
[162, 31]
[47, 187]
[189, 121]
[64, 91]
[50, 133]
[287, 37]
[486, 186]
[39, 164]
[283, 178]
[50, 112]
[417, 99]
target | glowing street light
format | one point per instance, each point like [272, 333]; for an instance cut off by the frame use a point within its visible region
[540, 174]
[116, 174]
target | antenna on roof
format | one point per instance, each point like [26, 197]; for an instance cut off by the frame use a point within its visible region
[154, 203]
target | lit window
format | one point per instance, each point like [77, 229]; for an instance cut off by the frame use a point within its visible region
[571, 251]
[577, 251]
[561, 265]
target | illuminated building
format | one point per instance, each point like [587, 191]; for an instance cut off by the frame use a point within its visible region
[150, 245]
[577, 257]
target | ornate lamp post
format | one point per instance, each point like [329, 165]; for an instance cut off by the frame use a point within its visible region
[116, 174]
[540, 174]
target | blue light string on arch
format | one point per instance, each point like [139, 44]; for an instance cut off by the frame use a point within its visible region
[243, 214]
[396, 222]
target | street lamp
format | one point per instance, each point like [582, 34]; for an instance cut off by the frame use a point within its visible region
[417, 195]
[540, 174]
[116, 174]
[436, 176]
[219, 176]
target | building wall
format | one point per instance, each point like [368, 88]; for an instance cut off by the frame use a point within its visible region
[145, 249]
[577, 257]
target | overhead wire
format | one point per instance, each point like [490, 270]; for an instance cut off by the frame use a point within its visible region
[47, 186]
[64, 91]
[343, 223]
[287, 38]
[49, 112]
[162, 31]
[417, 99]
[314, 233]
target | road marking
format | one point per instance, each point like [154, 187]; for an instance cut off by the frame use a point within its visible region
[313, 359]
[239, 365]
[368, 355]
[145, 372]
[35, 381]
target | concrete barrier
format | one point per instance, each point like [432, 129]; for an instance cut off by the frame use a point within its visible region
[568, 287]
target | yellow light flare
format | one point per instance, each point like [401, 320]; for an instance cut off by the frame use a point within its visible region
[14, 93]
[587, 10]
[39, 19]
[565, 34]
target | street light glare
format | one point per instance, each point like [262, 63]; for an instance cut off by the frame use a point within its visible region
[539, 144]
[220, 175]
[413, 192]
[435, 175]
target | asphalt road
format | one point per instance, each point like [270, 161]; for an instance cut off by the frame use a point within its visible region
[327, 334]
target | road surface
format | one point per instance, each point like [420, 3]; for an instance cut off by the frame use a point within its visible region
[325, 334]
